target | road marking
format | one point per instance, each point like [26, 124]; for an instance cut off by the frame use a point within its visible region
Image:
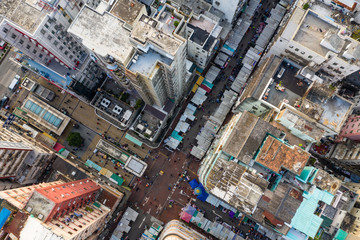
[191, 171]
[146, 200]
[142, 222]
[148, 212]
[163, 154]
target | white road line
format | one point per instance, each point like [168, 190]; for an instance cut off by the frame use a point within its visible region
[142, 222]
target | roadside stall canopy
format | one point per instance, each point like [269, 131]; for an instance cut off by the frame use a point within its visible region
[207, 89]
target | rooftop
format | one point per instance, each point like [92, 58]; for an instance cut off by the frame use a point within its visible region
[20, 196]
[195, 6]
[104, 34]
[149, 122]
[146, 32]
[168, 18]
[66, 191]
[115, 109]
[45, 115]
[294, 88]
[25, 13]
[202, 23]
[235, 184]
[127, 10]
[247, 135]
[144, 63]
[136, 166]
[301, 124]
[313, 30]
[274, 154]
[281, 204]
[335, 110]
[305, 219]
[325, 181]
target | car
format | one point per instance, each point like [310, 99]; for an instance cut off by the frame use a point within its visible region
[2, 44]
[4, 101]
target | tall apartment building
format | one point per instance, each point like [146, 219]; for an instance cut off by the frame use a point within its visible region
[315, 41]
[149, 55]
[39, 29]
[351, 128]
[347, 155]
[176, 229]
[22, 159]
[56, 210]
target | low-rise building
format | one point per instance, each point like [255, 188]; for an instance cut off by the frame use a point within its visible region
[113, 110]
[43, 116]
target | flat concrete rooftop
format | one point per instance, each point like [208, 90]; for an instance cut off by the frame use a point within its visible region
[202, 23]
[24, 13]
[312, 31]
[103, 33]
[127, 10]
[146, 31]
[336, 110]
[146, 62]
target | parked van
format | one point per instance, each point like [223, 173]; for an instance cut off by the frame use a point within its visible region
[281, 72]
[15, 82]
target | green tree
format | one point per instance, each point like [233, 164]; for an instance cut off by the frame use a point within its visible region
[74, 139]
[138, 104]
[306, 6]
[176, 23]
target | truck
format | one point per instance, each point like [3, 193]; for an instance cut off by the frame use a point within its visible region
[14, 83]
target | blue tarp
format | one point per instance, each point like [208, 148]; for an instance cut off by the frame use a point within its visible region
[193, 183]
[203, 196]
[4, 214]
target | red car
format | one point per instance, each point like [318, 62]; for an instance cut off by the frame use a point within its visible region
[2, 44]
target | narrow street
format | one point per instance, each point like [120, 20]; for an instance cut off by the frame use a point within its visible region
[152, 192]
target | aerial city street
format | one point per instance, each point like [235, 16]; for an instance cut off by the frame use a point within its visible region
[179, 119]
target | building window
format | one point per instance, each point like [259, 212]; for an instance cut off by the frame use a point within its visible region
[335, 64]
[40, 55]
[34, 52]
[28, 46]
[13, 36]
[21, 41]
[310, 56]
[61, 48]
[5, 30]
[296, 49]
[342, 67]
[66, 52]
[291, 46]
[81, 4]
[53, 32]
[47, 26]
[71, 56]
[56, 43]
[42, 31]
[302, 52]
[49, 37]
